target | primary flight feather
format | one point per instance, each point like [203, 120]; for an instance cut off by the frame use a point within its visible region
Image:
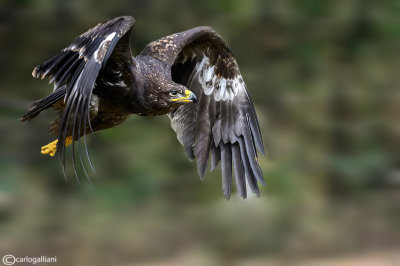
[192, 76]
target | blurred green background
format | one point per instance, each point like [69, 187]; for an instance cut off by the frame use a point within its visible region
[324, 76]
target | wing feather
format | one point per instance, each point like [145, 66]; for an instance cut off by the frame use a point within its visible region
[226, 167]
[251, 179]
[224, 120]
[239, 171]
[215, 156]
[202, 135]
[74, 72]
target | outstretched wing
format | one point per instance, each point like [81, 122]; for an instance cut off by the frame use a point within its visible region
[223, 123]
[98, 55]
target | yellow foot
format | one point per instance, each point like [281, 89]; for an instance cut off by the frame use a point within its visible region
[51, 148]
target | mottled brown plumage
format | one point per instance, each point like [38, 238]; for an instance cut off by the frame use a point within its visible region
[98, 84]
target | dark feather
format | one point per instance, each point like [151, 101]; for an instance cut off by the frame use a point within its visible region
[74, 72]
[202, 135]
[224, 121]
[255, 128]
[215, 156]
[226, 166]
[239, 171]
[43, 104]
[251, 179]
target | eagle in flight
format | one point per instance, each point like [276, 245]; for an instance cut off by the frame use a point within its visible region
[191, 76]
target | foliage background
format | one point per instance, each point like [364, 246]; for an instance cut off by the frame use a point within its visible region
[324, 76]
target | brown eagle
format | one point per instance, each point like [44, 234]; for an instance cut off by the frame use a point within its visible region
[98, 84]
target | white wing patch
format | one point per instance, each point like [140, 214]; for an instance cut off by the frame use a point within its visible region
[100, 53]
[222, 88]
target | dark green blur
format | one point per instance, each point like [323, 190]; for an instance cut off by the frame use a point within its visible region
[324, 77]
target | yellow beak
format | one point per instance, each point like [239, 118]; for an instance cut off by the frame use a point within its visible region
[189, 98]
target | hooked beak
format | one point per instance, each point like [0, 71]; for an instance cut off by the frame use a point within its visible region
[189, 98]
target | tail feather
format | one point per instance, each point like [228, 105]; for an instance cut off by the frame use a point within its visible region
[42, 104]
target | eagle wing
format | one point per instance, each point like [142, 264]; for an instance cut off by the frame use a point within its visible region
[223, 123]
[97, 55]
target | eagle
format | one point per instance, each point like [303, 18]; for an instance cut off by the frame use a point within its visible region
[191, 76]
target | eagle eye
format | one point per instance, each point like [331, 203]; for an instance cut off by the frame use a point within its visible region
[173, 93]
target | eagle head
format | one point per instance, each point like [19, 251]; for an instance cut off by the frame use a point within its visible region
[164, 96]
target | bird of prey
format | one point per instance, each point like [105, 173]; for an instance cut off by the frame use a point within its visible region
[191, 76]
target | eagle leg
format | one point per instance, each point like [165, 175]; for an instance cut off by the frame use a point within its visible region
[51, 148]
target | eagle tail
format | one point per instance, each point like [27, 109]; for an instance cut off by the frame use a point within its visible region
[43, 104]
